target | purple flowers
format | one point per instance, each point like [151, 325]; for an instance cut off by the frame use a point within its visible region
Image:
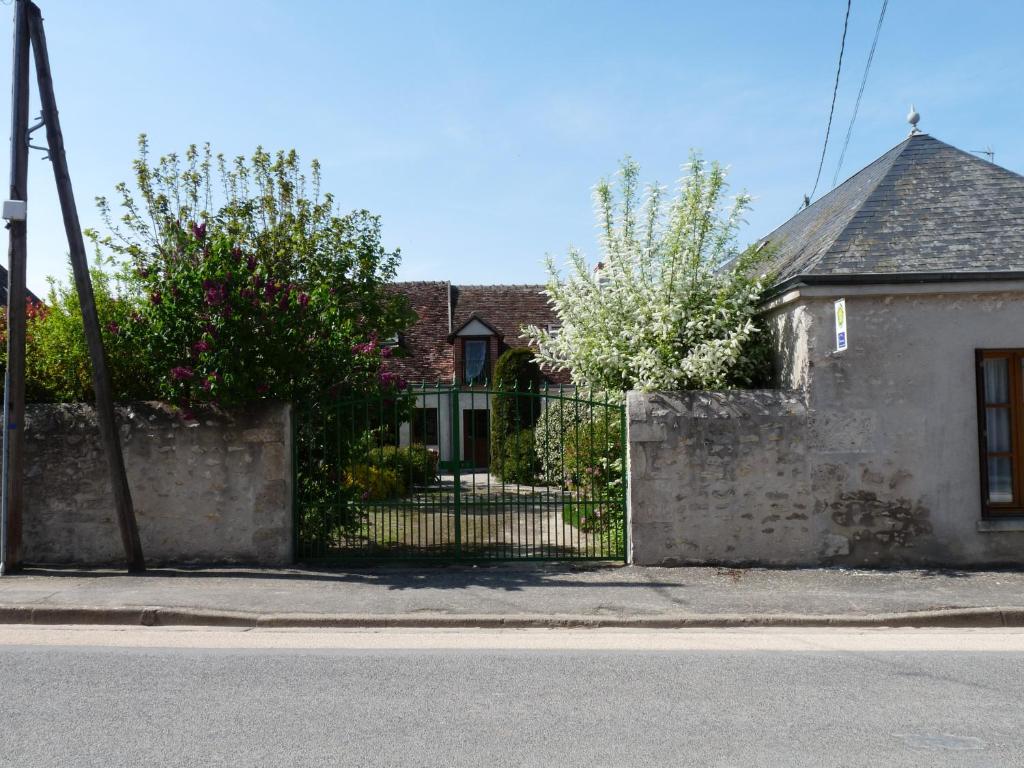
[216, 293]
[201, 346]
[303, 300]
[199, 231]
[181, 373]
[366, 347]
[114, 328]
[156, 298]
[388, 379]
[250, 262]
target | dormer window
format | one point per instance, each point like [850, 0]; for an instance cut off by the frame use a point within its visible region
[474, 360]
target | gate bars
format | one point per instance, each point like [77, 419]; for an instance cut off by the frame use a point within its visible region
[461, 473]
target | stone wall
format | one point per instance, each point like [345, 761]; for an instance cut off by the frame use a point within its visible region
[719, 477]
[866, 457]
[215, 490]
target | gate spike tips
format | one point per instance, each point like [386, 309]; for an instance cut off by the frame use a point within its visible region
[913, 117]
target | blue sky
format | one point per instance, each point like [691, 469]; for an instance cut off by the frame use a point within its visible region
[477, 129]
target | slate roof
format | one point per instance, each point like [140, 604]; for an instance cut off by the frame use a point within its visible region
[427, 354]
[922, 211]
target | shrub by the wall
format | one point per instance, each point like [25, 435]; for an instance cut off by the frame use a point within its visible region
[515, 406]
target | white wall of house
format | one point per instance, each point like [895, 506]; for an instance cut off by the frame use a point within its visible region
[895, 417]
[469, 400]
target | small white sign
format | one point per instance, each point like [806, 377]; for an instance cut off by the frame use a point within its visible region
[841, 340]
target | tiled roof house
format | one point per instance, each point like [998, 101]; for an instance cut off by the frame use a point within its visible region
[459, 333]
[458, 323]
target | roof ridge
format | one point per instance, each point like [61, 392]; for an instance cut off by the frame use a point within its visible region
[824, 199]
[872, 195]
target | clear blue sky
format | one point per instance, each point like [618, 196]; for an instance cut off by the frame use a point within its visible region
[477, 129]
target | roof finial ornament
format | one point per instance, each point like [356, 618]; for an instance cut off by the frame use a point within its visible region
[913, 117]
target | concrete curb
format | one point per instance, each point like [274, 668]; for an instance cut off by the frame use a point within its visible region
[157, 616]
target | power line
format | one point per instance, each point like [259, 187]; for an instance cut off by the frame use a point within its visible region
[832, 109]
[863, 82]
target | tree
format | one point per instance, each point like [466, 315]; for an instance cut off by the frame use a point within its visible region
[248, 283]
[515, 406]
[672, 303]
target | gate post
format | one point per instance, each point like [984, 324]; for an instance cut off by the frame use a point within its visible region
[456, 466]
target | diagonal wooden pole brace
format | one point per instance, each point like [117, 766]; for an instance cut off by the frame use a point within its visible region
[83, 284]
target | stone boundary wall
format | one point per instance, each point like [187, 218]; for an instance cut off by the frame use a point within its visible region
[215, 490]
[760, 478]
[719, 477]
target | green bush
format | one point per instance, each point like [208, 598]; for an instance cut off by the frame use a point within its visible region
[374, 483]
[579, 445]
[518, 458]
[248, 282]
[57, 364]
[515, 407]
[413, 465]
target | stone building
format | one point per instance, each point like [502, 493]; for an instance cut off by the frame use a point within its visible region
[907, 446]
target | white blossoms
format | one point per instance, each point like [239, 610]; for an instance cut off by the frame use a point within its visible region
[660, 312]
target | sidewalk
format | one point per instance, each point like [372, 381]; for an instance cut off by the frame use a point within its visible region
[515, 595]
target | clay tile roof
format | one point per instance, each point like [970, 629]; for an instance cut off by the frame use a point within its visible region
[506, 308]
[427, 354]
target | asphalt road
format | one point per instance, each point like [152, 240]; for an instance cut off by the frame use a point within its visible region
[103, 697]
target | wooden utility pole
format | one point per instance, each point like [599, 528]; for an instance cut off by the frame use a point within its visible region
[83, 284]
[14, 393]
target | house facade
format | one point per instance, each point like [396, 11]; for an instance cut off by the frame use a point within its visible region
[448, 357]
[904, 448]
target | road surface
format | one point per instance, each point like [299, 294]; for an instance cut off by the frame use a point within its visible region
[193, 697]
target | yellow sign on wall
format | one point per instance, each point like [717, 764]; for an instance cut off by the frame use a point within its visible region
[841, 340]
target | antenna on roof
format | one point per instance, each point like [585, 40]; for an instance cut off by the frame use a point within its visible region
[913, 117]
[988, 152]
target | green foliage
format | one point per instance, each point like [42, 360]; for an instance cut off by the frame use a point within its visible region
[249, 285]
[374, 483]
[513, 413]
[672, 304]
[57, 364]
[517, 458]
[413, 464]
[579, 446]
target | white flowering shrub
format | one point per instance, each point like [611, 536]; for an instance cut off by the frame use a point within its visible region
[672, 303]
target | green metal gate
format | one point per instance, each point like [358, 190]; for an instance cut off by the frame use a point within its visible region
[435, 474]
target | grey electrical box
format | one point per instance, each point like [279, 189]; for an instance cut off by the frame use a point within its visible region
[14, 210]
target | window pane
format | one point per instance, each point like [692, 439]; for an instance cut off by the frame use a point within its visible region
[997, 380]
[476, 354]
[1000, 482]
[424, 426]
[997, 429]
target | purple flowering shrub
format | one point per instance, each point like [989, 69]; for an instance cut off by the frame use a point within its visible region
[249, 284]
